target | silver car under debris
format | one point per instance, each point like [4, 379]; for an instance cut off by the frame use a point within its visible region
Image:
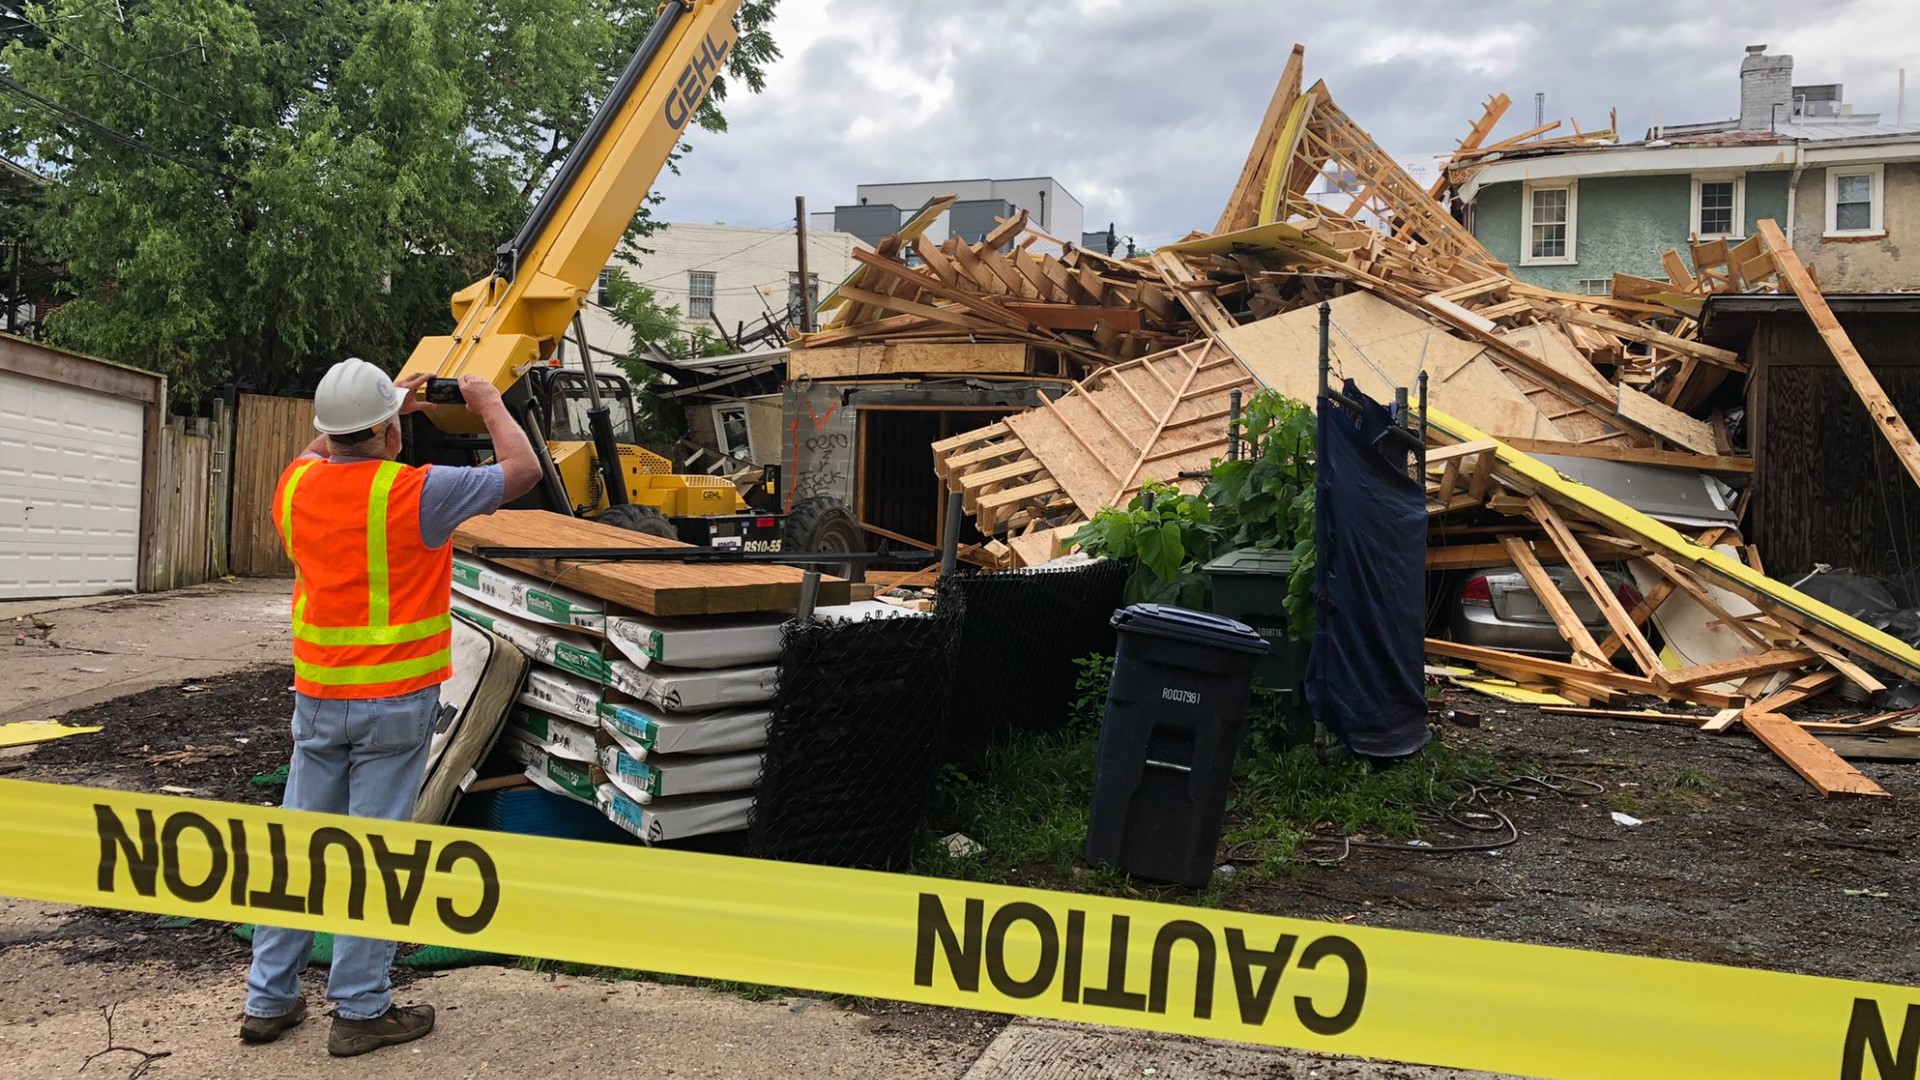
[1494, 607]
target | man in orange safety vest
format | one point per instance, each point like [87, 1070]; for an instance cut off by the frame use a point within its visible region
[371, 544]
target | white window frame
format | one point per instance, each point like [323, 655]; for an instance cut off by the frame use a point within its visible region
[1739, 206]
[743, 452]
[712, 294]
[600, 295]
[1877, 204]
[1527, 258]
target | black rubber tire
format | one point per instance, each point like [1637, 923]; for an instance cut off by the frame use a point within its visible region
[640, 519]
[821, 524]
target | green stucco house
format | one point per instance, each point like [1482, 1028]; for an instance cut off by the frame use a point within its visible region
[1843, 186]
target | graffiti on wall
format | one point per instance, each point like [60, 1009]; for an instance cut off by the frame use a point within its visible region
[819, 455]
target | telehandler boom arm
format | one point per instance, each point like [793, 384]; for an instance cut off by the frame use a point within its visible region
[515, 317]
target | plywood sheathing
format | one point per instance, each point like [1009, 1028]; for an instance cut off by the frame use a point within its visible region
[1120, 428]
[1381, 347]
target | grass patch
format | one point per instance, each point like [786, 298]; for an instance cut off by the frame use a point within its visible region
[1280, 802]
[1027, 808]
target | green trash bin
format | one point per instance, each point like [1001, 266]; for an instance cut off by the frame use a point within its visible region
[1250, 586]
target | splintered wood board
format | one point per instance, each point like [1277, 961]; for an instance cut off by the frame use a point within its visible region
[1667, 422]
[1808, 756]
[910, 358]
[649, 588]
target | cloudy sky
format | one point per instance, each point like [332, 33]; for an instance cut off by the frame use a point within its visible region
[1144, 108]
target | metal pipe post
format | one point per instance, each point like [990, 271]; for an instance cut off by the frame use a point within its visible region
[950, 536]
[809, 592]
[1233, 425]
[1326, 344]
[805, 322]
[1423, 424]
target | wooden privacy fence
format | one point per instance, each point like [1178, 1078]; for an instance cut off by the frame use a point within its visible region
[188, 540]
[268, 433]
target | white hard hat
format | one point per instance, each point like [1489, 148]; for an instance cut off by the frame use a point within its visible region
[354, 396]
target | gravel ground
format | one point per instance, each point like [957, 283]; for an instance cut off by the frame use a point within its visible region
[1738, 861]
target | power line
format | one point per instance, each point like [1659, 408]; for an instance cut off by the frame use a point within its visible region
[129, 141]
[718, 258]
[15, 11]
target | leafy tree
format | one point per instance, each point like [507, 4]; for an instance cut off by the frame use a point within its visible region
[251, 189]
[648, 321]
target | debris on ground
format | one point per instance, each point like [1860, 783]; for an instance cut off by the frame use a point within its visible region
[1540, 407]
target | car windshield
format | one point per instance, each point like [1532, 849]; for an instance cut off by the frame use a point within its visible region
[570, 405]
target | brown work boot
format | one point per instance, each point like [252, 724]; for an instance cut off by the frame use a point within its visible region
[265, 1029]
[399, 1024]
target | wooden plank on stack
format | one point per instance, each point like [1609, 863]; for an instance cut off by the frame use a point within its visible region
[651, 588]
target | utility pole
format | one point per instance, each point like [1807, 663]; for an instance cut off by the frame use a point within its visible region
[806, 293]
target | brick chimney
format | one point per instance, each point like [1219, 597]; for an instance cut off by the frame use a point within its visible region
[1765, 82]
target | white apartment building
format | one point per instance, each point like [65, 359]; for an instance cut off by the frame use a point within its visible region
[735, 274]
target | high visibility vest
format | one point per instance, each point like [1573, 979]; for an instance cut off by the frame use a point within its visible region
[372, 603]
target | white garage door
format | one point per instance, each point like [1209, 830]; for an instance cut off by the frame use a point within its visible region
[69, 489]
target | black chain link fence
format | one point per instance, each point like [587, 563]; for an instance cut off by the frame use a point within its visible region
[1019, 635]
[857, 743]
[869, 714]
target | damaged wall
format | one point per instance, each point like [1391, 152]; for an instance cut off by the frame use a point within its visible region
[818, 456]
[1828, 487]
[1859, 264]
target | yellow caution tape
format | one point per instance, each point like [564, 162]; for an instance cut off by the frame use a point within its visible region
[1317, 986]
[36, 731]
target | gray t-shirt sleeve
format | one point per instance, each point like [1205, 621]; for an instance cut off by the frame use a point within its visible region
[454, 493]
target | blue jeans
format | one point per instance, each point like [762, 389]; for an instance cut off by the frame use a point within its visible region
[366, 758]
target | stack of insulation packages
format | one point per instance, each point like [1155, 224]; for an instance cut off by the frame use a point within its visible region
[658, 722]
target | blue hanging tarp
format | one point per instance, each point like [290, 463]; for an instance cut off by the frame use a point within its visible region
[1365, 673]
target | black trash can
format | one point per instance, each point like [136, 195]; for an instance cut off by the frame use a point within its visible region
[1175, 709]
[1251, 585]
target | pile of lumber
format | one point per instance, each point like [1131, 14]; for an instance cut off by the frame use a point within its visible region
[1753, 647]
[1513, 370]
[1412, 290]
[1079, 308]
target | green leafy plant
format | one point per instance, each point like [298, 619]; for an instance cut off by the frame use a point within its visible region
[1263, 499]
[1090, 691]
[1165, 534]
